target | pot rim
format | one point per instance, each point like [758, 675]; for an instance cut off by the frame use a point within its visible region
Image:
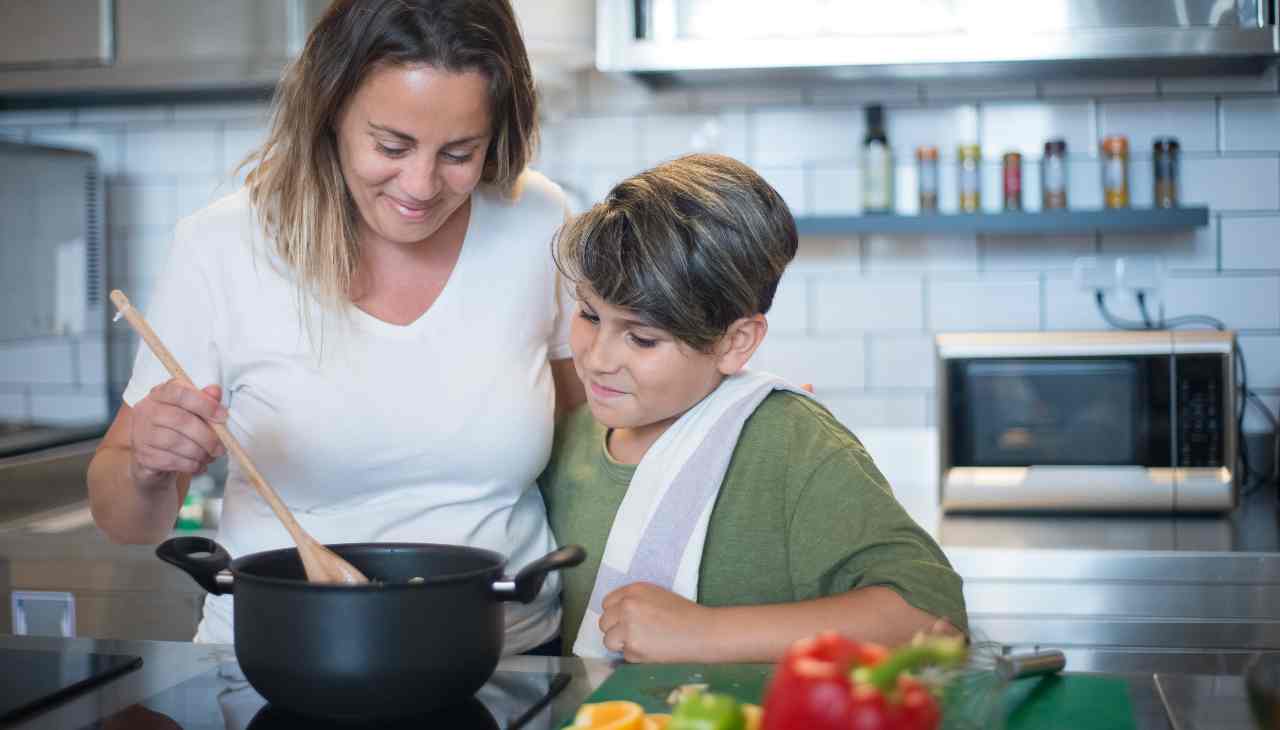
[499, 564]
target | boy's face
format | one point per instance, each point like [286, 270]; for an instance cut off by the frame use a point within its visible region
[637, 376]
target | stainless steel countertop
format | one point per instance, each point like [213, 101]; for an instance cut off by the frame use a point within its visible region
[909, 459]
[1205, 701]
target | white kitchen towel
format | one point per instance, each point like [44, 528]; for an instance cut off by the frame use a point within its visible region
[661, 526]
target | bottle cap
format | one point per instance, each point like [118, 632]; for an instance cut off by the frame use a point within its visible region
[1115, 144]
[875, 117]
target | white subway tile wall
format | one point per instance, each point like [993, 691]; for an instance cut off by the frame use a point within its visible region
[1251, 125]
[866, 303]
[790, 310]
[1192, 121]
[665, 136]
[1033, 253]
[1025, 126]
[901, 361]
[986, 303]
[920, 253]
[831, 364]
[1232, 183]
[856, 314]
[1251, 243]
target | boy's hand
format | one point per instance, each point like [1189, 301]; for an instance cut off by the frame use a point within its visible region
[651, 624]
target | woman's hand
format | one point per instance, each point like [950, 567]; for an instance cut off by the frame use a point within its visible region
[170, 433]
[651, 624]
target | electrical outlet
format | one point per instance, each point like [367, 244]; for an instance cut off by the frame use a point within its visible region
[1140, 273]
[1092, 273]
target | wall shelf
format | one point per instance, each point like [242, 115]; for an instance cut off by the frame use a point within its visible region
[1122, 220]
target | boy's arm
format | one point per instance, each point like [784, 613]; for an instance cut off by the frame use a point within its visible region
[650, 624]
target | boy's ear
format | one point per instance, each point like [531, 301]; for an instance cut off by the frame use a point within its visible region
[740, 342]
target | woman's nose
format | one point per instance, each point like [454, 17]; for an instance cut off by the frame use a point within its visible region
[420, 179]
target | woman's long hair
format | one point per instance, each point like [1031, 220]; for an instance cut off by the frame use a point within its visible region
[296, 184]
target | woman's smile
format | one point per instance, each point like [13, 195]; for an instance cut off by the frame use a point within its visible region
[413, 212]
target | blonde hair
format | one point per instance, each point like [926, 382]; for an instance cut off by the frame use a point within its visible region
[296, 184]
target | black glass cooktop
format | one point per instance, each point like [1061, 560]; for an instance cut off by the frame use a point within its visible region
[34, 679]
[221, 699]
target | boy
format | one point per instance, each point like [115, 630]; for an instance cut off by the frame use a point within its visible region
[725, 514]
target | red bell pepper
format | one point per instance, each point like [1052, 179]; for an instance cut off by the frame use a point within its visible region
[833, 683]
[811, 687]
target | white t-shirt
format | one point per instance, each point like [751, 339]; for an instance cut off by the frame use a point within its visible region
[431, 432]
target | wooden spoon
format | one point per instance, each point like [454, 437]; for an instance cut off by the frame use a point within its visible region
[321, 564]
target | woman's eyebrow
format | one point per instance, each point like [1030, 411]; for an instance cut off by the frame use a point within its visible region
[402, 136]
[406, 137]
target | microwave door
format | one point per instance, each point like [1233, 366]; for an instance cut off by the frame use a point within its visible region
[1086, 411]
[1079, 433]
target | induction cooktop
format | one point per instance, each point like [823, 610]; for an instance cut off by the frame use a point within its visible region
[221, 699]
[34, 679]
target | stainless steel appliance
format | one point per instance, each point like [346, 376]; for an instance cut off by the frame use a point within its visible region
[1087, 421]
[53, 322]
[718, 40]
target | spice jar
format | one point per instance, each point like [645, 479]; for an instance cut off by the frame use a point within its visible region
[927, 162]
[1053, 175]
[1115, 171]
[970, 178]
[1164, 156]
[1012, 181]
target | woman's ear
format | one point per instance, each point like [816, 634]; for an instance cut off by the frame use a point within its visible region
[740, 342]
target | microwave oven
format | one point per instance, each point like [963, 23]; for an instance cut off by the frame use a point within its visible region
[1087, 421]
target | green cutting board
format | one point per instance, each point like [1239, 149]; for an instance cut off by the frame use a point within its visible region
[1060, 702]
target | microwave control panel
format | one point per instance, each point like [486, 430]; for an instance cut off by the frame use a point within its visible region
[1200, 391]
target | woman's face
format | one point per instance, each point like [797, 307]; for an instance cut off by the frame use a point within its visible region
[412, 143]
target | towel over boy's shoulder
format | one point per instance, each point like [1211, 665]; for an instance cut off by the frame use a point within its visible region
[802, 513]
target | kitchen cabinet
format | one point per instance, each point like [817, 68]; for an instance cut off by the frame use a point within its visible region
[195, 47]
[175, 45]
[47, 33]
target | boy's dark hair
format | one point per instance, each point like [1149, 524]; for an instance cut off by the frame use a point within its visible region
[691, 245]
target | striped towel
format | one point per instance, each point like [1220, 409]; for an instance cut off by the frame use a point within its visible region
[661, 525]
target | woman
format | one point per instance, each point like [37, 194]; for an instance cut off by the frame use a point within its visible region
[376, 313]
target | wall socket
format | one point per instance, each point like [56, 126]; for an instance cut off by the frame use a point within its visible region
[1119, 273]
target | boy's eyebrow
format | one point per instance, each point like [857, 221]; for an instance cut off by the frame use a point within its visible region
[406, 137]
[630, 321]
[640, 323]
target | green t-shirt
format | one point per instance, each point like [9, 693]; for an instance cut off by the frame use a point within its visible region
[803, 513]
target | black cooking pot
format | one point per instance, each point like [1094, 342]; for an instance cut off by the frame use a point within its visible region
[384, 650]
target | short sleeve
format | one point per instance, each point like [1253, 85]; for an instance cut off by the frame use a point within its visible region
[848, 531]
[182, 312]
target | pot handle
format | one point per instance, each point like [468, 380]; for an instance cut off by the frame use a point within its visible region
[528, 582]
[181, 551]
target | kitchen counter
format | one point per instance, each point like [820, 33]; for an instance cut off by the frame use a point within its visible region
[1208, 701]
[1148, 593]
[1155, 592]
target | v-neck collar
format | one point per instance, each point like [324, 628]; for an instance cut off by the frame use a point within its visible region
[444, 300]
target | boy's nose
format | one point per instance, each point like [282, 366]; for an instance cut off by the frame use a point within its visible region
[601, 355]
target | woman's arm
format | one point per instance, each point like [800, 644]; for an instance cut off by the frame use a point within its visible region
[570, 392]
[142, 469]
[650, 624]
